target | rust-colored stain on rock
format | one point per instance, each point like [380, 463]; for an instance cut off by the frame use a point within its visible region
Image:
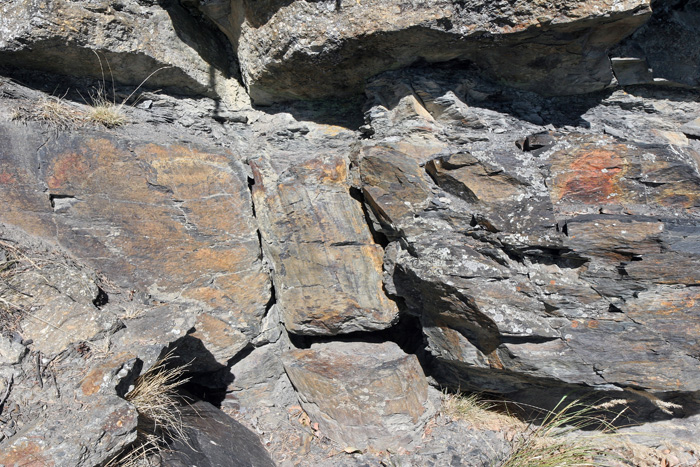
[93, 381]
[143, 212]
[25, 454]
[65, 168]
[593, 177]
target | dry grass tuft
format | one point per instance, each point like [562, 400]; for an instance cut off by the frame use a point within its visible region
[481, 414]
[13, 262]
[106, 113]
[155, 397]
[554, 442]
[52, 110]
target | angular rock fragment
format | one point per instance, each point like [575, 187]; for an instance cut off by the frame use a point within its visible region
[692, 128]
[393, 185]
[629, 71]
[362, 395]
[327, 269]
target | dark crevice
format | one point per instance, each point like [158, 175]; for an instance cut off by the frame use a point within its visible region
[526, 339]
[378, 237]
[406, 333]
[208, 379]
[101, 299]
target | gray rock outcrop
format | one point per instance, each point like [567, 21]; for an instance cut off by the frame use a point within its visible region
[499, 197]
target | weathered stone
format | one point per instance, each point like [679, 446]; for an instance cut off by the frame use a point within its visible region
[215, 439]
[539, 266]
[259, 380]
[669, 42]
[75, 399]
[629, 71]
[141, 212]
[55, 301]
[106, 41]
[361, 394]
[392, 183]
[11, 351]
[154, 328]
[622, 176]
[692, 128]
[327, 269]
[304, 50]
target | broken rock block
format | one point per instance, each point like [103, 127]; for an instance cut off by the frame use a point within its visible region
[362, 395]
[327, 269]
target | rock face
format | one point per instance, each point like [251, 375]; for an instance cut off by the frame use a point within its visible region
[512, 207]
[671, 32]
[110, 41]
[327, 269]
[362, 394]
[136, 212]
[314, 49]
[526, 261]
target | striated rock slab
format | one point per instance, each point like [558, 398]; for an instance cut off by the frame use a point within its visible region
[132, 39]
[301, 49]
[51, 404]
[215, 439]
[170, 222]
[362, 394]
[327, 269]
[55, 301]
[554, 259]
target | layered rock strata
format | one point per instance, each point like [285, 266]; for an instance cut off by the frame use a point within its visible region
[301, 49]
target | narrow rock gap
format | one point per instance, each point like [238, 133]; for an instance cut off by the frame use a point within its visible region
[378, 237]
[101, 299]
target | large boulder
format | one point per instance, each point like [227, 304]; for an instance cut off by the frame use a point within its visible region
[124, 42]
[299, 49]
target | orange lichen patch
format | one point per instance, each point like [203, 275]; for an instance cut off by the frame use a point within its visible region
[592, 324]
[495, 361]
[26, 454]
[93, 381]
[326, 171]
[119, 419]
[65, 168]
[7, 178]
[673, 313]
[684, 194]
[589, 175]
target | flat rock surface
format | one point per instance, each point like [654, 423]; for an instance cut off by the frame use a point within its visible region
[327, 268]
[136, 211]
[379, 395]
